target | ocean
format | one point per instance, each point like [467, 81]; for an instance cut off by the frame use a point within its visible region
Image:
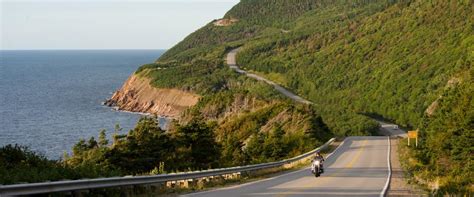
[49, 99]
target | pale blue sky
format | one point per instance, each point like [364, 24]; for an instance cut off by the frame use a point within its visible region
[104, 24]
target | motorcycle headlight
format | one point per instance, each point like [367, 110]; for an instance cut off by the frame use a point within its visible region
[316, 162]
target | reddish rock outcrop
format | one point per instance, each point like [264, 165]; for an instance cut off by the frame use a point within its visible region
[137, 95]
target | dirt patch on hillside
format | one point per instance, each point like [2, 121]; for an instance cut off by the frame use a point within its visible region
[137, 95]
[225, 22]
[434, 105]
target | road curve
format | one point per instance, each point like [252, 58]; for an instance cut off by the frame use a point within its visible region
[358, 167]
[233, 65]
[391, 129]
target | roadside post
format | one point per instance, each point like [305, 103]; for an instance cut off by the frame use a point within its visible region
[413, 134]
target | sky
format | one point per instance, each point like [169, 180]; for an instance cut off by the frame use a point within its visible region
[104, 24]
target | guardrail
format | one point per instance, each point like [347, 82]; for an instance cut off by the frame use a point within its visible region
[83, 184]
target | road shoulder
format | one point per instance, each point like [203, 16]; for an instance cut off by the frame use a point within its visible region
[398, 183]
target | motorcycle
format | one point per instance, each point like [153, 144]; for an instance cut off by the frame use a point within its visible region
[316, 167]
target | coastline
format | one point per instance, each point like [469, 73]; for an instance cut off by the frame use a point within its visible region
[163, 121]
[137, 95]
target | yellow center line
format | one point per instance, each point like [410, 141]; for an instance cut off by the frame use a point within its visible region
[337, 171]
[330, 175]
[350, 164]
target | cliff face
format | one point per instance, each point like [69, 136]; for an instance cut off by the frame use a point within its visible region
[137, 95]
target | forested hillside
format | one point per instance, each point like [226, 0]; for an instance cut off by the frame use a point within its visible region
[410, 62]
[407, 61]
[393, 63]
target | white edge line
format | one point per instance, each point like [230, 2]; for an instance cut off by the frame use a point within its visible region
[258, 181]
[387, 183]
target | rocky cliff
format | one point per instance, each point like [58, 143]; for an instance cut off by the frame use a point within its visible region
[137, 95]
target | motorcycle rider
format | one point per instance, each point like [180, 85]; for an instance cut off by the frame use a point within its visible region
[319, 157]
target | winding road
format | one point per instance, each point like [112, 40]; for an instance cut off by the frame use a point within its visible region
[233, 65]
[360, 166]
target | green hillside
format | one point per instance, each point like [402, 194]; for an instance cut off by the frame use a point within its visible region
[406, 61]
[395, 64]
[410, 62]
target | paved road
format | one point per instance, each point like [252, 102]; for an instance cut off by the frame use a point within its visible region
[232, 64]
[357, 168]
[391, 129]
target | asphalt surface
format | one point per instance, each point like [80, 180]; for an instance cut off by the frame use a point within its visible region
[358, 167]
[233, 65]
[392, 129]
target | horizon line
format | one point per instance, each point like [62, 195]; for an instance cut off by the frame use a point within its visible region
[76, 49]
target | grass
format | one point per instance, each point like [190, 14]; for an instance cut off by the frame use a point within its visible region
[409, 162]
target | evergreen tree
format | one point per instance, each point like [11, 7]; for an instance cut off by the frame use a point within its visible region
[317, 131]
[79, 147]
[232, 153]
[115, 136]
[196, 143]
[254, 148]
[92, 143]
[143, 147]
[274, 147]
[103, 142]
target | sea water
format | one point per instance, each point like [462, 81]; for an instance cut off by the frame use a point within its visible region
[49, 99]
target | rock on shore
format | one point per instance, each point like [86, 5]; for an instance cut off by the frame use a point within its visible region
[137, 95]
